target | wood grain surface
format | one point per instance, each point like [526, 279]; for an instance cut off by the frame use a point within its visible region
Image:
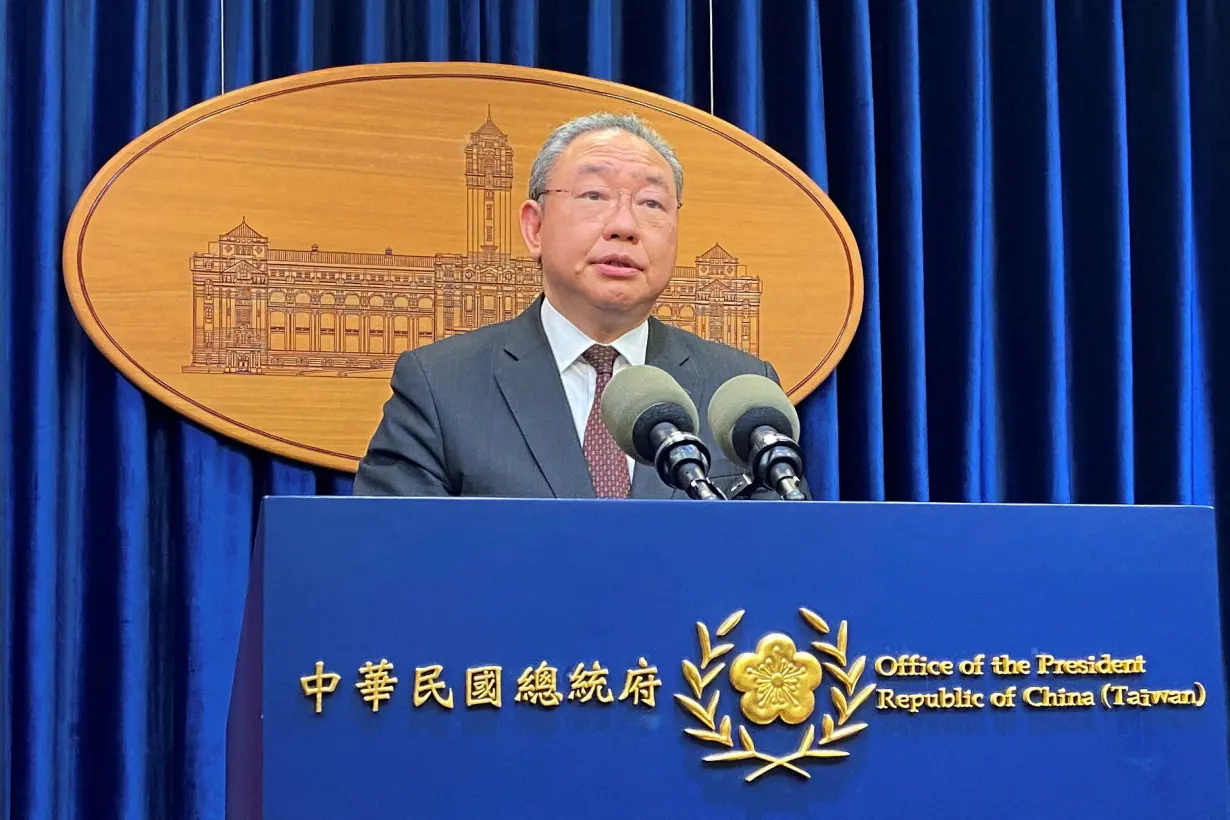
[258, 261]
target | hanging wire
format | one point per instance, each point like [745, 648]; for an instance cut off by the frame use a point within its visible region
[711, 111]
[222, 41]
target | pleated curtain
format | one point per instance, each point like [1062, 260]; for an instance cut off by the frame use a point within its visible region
[1038, 192]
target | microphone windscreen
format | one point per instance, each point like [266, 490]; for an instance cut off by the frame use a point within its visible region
[649, 395]
[744, 403]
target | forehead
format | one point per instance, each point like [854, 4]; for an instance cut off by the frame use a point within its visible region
[614, 153]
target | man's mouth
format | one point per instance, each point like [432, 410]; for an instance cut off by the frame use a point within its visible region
[619, 261]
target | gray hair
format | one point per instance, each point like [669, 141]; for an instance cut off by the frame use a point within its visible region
[563, 136]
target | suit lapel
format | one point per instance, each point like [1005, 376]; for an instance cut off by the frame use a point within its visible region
[666, 351]
[527, 376]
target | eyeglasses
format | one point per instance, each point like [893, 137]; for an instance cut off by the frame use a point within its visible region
[651, 207]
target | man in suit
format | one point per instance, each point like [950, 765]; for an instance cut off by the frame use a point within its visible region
[512, 409]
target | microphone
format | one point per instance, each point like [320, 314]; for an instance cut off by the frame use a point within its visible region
[653, 419]
[757, 427]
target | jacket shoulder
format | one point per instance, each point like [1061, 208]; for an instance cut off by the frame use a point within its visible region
[721, 357]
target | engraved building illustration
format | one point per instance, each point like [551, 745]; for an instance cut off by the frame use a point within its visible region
[263, 310]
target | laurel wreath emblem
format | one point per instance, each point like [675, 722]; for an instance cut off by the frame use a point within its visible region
[832, 731]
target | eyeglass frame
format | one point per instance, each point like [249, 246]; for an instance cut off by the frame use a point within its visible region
[545, 191]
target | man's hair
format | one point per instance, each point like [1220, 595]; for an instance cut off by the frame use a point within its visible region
[563, 136]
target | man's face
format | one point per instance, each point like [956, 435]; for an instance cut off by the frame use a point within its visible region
[607, 233]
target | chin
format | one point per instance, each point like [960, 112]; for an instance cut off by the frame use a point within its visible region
[619, 292]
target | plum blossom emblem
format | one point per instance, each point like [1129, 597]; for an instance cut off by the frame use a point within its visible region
[777, 681]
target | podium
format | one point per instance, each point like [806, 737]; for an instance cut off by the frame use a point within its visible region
[463, 658]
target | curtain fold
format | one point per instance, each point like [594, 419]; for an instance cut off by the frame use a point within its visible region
[1093, 107]
[1038, 193]
[8, 632]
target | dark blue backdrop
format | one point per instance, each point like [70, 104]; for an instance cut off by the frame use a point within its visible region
[1037, 187]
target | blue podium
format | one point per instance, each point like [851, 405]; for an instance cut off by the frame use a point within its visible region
[464, 658]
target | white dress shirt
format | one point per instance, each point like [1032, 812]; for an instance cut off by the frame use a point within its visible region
[579, 377]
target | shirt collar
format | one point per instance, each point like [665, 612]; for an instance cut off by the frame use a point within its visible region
[568, 343]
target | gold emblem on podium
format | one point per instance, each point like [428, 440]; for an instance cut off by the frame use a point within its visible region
[777, 680]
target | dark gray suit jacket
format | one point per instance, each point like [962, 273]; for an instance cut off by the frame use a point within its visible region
[484, 414]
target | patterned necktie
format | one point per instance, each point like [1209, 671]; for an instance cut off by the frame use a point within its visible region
[608, 466]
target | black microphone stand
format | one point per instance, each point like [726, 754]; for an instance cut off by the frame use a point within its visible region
[776, 463]
[682, 461]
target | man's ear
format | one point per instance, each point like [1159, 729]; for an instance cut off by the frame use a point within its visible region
[531, 227]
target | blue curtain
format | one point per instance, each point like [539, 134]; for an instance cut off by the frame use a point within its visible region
[1037, 187]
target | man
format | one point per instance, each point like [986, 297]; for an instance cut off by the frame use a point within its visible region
[512, 409]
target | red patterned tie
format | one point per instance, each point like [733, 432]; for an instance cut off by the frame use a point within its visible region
[608, 466]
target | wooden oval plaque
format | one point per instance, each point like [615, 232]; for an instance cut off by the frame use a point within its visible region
[257, 262]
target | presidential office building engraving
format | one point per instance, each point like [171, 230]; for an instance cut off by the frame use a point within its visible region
[258, 309]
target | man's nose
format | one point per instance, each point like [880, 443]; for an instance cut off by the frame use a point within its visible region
[622, 223]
